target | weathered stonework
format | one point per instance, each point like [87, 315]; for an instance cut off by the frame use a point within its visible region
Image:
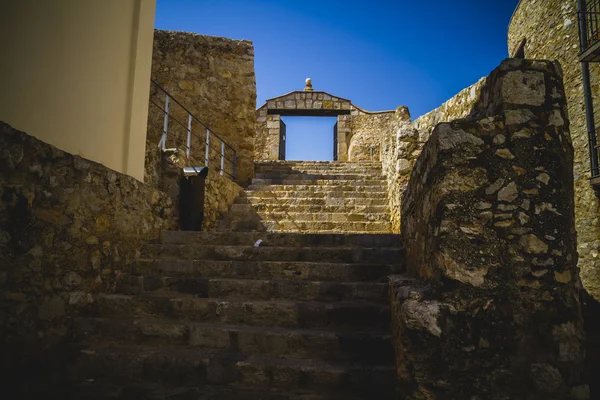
[367, 131]
[214, 78]
[403, 142]
[488, 222]
[218, 197]
[68, 228]
[551, 32]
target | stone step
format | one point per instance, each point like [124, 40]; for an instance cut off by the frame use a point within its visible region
[316, 174]
[313, 201]
[332, 180]
[319, 169]
[319, 164]
[359, 172]
[304, 226]
[290, 214]
[258, 208]
[289, 314]
[343, 254]
[312, 173]
[346, 189]
[291, 270]
[280, 239]
[188, 367]
[106, 389]
[248, 289]
[364, 347]
[327, 193]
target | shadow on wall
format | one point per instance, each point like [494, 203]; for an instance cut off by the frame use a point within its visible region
[68, 228]
[488, 221]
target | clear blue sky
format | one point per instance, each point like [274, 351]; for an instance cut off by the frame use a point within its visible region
[379, 53]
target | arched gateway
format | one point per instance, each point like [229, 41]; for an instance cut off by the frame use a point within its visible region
[356, 134]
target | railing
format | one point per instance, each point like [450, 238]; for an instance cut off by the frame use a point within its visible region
[183, 130]
[589, 23]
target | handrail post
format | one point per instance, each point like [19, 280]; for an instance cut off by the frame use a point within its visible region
[234, 164]
[222, 156]
[189, 135]
[163, 140]
[207, 147]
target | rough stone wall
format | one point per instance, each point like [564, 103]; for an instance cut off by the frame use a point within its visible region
[214, 78]
[367, 131]
[218, 197]
[551, 32]
[488, 222]
[403, 141]
[68, 228]
[266, 139]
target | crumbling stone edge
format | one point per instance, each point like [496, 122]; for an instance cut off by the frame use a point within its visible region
[489, 308]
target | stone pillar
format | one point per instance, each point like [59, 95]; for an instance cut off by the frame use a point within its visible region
[273, 132]
[490, 309]
[344, 131]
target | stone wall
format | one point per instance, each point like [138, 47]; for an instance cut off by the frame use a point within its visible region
[403, 141]
[551, 32]
[367, 131]
[68, 228]
[214, 78]
[488, 222]
[218, 197]
[266, 139]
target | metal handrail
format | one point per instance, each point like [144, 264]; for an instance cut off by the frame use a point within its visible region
[208, 139]
[589, 20]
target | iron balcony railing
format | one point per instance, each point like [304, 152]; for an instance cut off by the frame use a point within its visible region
[589, 30]
[183, 130]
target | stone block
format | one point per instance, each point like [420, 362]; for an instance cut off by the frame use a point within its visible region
[511, 273]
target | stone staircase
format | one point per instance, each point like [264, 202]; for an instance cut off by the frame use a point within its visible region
[318, 197]
[206, 315]
[221, 316]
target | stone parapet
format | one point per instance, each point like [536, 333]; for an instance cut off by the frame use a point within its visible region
[69, 227]
[214, 78]
[488, 222]
[549, 28]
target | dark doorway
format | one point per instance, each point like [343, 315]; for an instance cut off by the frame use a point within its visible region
[282, 135]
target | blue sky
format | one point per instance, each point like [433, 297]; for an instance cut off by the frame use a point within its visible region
[380, 54]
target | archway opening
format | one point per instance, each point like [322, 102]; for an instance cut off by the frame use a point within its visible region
[309, 138]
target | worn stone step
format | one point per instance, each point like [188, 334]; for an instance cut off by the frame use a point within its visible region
[250, 253]
[251, 289]
[320, 164]
[292, 270]
[184, 366]
[291, 314]
[312, 201]
[318, 180]
[106, 389]
[325, 194]
[269, 225]
[367, 347]
[290, 214]
[279, 239]
[345, 189]
[319, 170]
[248, 208]
[314, 176]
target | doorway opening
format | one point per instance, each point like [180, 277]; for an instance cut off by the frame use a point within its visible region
[309, 138]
